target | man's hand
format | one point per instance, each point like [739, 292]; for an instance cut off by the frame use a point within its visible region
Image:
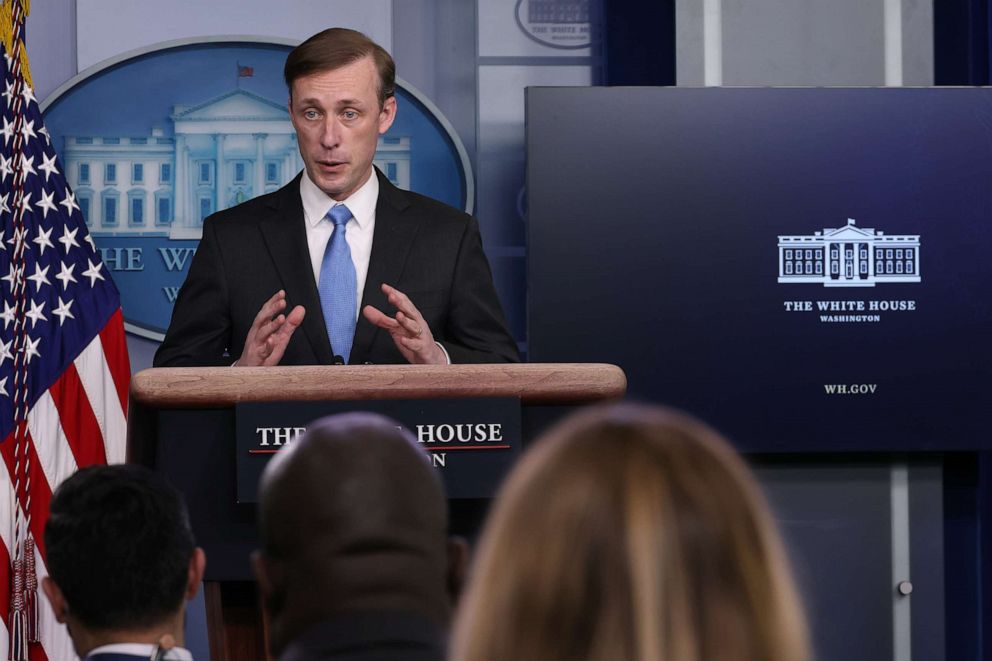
[270, 332]
[408, 329]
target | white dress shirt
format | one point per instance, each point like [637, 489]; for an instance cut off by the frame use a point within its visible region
[358, 230]
[142, 650]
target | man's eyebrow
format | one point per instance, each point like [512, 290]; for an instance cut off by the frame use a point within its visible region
[314, 101]
[349, 102]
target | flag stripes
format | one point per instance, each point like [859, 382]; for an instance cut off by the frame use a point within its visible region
[64, 369]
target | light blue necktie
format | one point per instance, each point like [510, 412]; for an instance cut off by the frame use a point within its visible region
[338, 285]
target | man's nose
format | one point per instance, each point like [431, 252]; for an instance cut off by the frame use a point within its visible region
[330, 133]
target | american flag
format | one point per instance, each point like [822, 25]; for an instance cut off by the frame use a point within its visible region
[64, 370]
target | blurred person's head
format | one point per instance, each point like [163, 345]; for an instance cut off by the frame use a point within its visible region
[630, 533]
[353, 517]
[121, 557]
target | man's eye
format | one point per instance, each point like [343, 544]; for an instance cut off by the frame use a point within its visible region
[310, 114]
[349, 114]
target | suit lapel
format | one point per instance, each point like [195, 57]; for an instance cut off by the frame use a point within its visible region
[285, 235]
[391, 240]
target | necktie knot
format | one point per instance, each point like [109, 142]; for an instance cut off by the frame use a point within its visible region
[339, 215]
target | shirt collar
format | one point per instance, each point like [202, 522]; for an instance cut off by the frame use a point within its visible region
[143, 650]
[361, 203]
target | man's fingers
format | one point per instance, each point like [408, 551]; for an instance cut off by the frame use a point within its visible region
[265, 329]
[270, 308]
[284, 324]
[401, 323]
[411, 326]
[276, 343]
[412, 336]
[295, 316]
[377, 318]
[268, 318]
[270, 332]
[400, 301]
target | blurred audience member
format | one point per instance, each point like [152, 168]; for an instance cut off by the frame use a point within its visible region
[630, 533]
[355, 561]
[122, 564]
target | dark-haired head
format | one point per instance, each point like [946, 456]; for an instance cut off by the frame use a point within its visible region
[337, 47]
[352, 517]
[119, 550]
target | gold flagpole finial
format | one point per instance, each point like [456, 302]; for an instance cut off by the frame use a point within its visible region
[8, 9]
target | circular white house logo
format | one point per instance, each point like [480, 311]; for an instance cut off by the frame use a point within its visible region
[556, 23]
[154, 141]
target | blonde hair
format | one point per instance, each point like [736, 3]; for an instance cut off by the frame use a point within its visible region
[630, 533]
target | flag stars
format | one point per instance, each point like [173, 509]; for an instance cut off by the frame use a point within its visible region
[65, 275]
[36, 313]
[5, 352]
[9, 311]
[17, 238]
[6, 167]
[40, 277]
[27, 166]
[47, 203]
[28, 94]
[62, 311]
[89, 239]
[70, 202]
[13, 275]
[68, 238]
[7, 130]
[26, 203]
[48, 166]
[93, 272]
[27, 130]
[31, 350]
[4, 207]
[44, 239]
[8, 92]
[3, 387]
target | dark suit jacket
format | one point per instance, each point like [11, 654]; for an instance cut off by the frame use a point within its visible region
[426, 249]
[369, 636]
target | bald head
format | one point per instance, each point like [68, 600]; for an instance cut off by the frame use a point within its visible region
[352, 517]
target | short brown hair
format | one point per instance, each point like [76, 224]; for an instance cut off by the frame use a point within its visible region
[630, 534]
[337, 47]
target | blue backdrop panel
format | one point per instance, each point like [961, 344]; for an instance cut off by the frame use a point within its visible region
[806, 268]
[128, 113]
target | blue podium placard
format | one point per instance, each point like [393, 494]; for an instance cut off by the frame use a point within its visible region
[807, 268]
[472, 442]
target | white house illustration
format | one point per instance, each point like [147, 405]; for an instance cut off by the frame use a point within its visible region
[849, 256]
[223, 151]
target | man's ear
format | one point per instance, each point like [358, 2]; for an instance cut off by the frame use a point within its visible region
[458, 557]
[194, 574]
[55, 598]
[387, 114]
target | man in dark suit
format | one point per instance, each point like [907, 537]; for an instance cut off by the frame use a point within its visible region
[281, 279]
[355, 562]
[122, 564]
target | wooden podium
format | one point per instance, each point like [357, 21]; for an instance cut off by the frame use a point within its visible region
[181, 423]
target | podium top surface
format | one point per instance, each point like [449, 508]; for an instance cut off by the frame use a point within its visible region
[534, 383]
